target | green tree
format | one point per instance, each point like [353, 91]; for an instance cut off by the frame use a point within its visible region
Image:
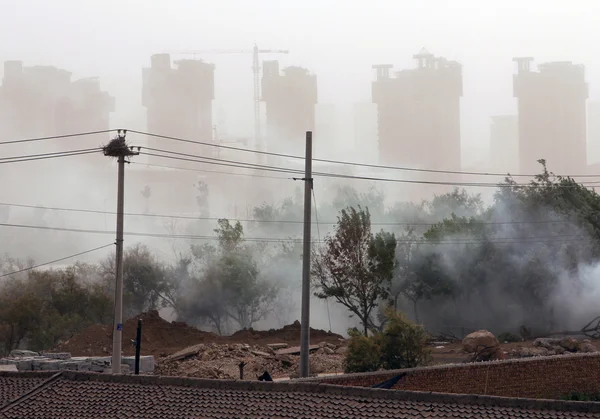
[354, 266]
[229, 287]
[144, 280]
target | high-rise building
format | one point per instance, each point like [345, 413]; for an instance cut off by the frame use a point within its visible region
[290, 97]
[178, 103]
[593, 132]
[504, 144]
[419, 113]
[552, 116]
[42, 101]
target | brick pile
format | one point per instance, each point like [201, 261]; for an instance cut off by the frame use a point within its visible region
[32, 361]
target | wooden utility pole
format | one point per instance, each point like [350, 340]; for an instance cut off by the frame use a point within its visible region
[305, 313]
[118, 148]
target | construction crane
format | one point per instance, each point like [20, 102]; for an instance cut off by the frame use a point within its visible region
[256, 73]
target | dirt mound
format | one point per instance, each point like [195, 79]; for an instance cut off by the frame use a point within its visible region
[288, 334]
[158, 337]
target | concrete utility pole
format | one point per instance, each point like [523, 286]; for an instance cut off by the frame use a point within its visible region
[305, 315]
[118, 148]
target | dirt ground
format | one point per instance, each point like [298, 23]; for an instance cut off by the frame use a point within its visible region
[216, 356]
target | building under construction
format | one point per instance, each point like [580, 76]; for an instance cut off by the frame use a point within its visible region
[552, 116]
[178, 101]
[419, 113]
[290, 97]
[43, 101]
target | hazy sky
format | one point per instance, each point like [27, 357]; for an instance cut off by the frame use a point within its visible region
[338, 40]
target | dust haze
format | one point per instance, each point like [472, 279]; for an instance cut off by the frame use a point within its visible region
[426, 85]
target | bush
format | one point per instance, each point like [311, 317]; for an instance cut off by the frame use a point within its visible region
[509, 337]
[363, 353]
[401, 345]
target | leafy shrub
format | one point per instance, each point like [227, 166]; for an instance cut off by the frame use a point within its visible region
[363, 353]
[401, 345]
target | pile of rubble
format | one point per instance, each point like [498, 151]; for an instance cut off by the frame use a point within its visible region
[23, 360]
[554, 346]
[236, 360]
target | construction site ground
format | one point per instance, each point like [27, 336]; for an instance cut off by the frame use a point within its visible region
[186, 351]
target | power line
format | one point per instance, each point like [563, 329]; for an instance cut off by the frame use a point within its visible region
[209, 171]
[56, 137]
[250, 220]
[240, 165]
[250, 165]
[376, 166]
[57, 260]
[52, 156]
[500, 240]
[245, 165]
[56, 153]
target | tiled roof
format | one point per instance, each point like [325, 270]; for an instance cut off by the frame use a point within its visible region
[88, 395]
[14, 384]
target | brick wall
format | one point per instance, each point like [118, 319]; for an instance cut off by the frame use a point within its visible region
[543, 377]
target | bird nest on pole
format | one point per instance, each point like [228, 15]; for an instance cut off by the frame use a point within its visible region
[117, 147]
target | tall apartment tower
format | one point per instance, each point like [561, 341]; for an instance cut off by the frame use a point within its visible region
[552, 116]
[419, 113]
[593, 132]
[42, 101]
[504, 144]
[290, 97]
[178, 102]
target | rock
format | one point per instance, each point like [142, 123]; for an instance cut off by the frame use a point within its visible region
[260, 353]
[570, 344]
[328, 350]
[296, 350]
[531, 352]
[277, 345]
[341, 350]
[546, 342]
[480, 341]
[587, 347]
[22, 353]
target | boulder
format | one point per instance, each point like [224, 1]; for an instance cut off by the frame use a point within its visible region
[479, 341]
[547, 343]
[570, 344]
[587, 347]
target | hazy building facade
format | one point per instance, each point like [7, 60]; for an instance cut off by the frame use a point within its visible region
[290, 97]
[593, 132]
[419, 113]
[552, 116]
[178, 102]
[43, 101]
[504, 144]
